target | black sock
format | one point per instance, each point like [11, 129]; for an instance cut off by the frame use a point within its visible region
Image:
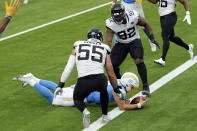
[104, 102]
[142, 72]
[80, 105]
[166, 45]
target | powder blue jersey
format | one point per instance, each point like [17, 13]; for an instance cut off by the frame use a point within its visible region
[129, 1]
[95, 96]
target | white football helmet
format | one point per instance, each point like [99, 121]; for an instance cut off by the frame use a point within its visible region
[130, 81]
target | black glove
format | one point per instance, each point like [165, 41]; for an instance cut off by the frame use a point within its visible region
[61, 85]
[152, 39]
[117, 90]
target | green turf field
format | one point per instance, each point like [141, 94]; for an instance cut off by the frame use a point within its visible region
[44, 52]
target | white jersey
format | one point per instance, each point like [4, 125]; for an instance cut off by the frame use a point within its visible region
[128, 32]
[133, 6]
[66, 99]
[90, 57]
[166, 6]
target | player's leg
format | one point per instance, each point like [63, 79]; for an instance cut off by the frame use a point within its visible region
[39, 88]
[45, 92]
[118, 54]
[137, 53]
[81, 91]
[167, 26]
[104, 99]
[177, 40]
[102, 88]
[48, 84]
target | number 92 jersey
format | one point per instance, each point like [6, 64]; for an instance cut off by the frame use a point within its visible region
[90, 57]
[128, 32]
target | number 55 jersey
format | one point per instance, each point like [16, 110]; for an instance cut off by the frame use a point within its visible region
[90, 57]
[128, 32]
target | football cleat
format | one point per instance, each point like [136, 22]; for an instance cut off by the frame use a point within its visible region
[24, 84]
[26, 79]
[153, 46]
[160, 62]
[190, 51]
[146, 91]
[105, 119]
[86, 118]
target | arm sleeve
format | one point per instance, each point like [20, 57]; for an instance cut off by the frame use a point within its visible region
[68, 68]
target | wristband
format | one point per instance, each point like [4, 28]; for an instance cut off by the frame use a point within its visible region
[9, 17]
[61, 84]
[139, 105]
[152, 37]
[187, 13]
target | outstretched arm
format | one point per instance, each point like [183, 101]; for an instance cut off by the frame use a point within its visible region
[110, 72]
[143, 22]
[121, 103]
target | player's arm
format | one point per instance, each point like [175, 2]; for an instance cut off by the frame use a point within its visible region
[143, 22]
[3, 25]
[109, 36]
[66, 73]
[110, 72]
[153, 1]
[121, 103]
[186, 6]
[10, 11]
[125, 105]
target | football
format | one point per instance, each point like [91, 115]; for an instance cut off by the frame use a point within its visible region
[137, 99]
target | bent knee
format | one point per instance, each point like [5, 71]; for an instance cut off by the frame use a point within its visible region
[138, 61]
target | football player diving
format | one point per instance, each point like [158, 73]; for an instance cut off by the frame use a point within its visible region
[128, 82]
[10, 11]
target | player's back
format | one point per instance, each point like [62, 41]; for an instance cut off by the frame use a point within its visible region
[90, 57]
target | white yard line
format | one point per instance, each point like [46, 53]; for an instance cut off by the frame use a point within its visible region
[55, 21]
[156, 85]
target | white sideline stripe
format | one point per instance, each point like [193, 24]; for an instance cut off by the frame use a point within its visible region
[55, 21]
[153, 87]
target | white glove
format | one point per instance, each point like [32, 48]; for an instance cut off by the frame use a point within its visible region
[58, 91]
[187, 17]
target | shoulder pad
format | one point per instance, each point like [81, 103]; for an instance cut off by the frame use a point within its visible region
[109, 22]
[77, 43]
[107, 48]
